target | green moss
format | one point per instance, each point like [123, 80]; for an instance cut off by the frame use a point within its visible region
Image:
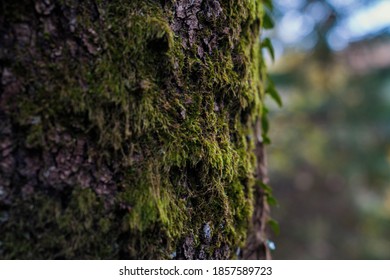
[178, 125]
[59, 229]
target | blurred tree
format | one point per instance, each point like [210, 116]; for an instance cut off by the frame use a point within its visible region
[332, 186]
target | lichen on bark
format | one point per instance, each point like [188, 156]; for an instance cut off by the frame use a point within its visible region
[127, 127]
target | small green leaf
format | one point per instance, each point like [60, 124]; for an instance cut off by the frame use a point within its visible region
[268, 45]
[266, 139]
[264, 121]
[265, 127]
[268, 193]
[268, 22]
[274, 226]
[269, 4]
[267, 189]
[273, 93]
[272, 200]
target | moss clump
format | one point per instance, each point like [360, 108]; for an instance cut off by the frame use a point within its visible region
[170, 116]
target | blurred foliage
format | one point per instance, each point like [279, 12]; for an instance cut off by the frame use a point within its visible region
[330, 156]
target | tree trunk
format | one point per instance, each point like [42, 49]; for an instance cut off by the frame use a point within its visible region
[127, 129]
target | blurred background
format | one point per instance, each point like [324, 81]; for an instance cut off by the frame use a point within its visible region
[329, 160]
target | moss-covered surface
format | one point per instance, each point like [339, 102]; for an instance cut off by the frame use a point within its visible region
[127, 127]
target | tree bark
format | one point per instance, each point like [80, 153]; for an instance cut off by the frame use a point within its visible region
[127, 129]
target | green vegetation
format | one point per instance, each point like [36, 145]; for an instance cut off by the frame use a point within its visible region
[331, 172]
[174, 125]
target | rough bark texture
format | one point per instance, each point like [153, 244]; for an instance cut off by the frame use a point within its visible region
[126, 129]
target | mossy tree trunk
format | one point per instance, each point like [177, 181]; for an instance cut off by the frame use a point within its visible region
[127, 129]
